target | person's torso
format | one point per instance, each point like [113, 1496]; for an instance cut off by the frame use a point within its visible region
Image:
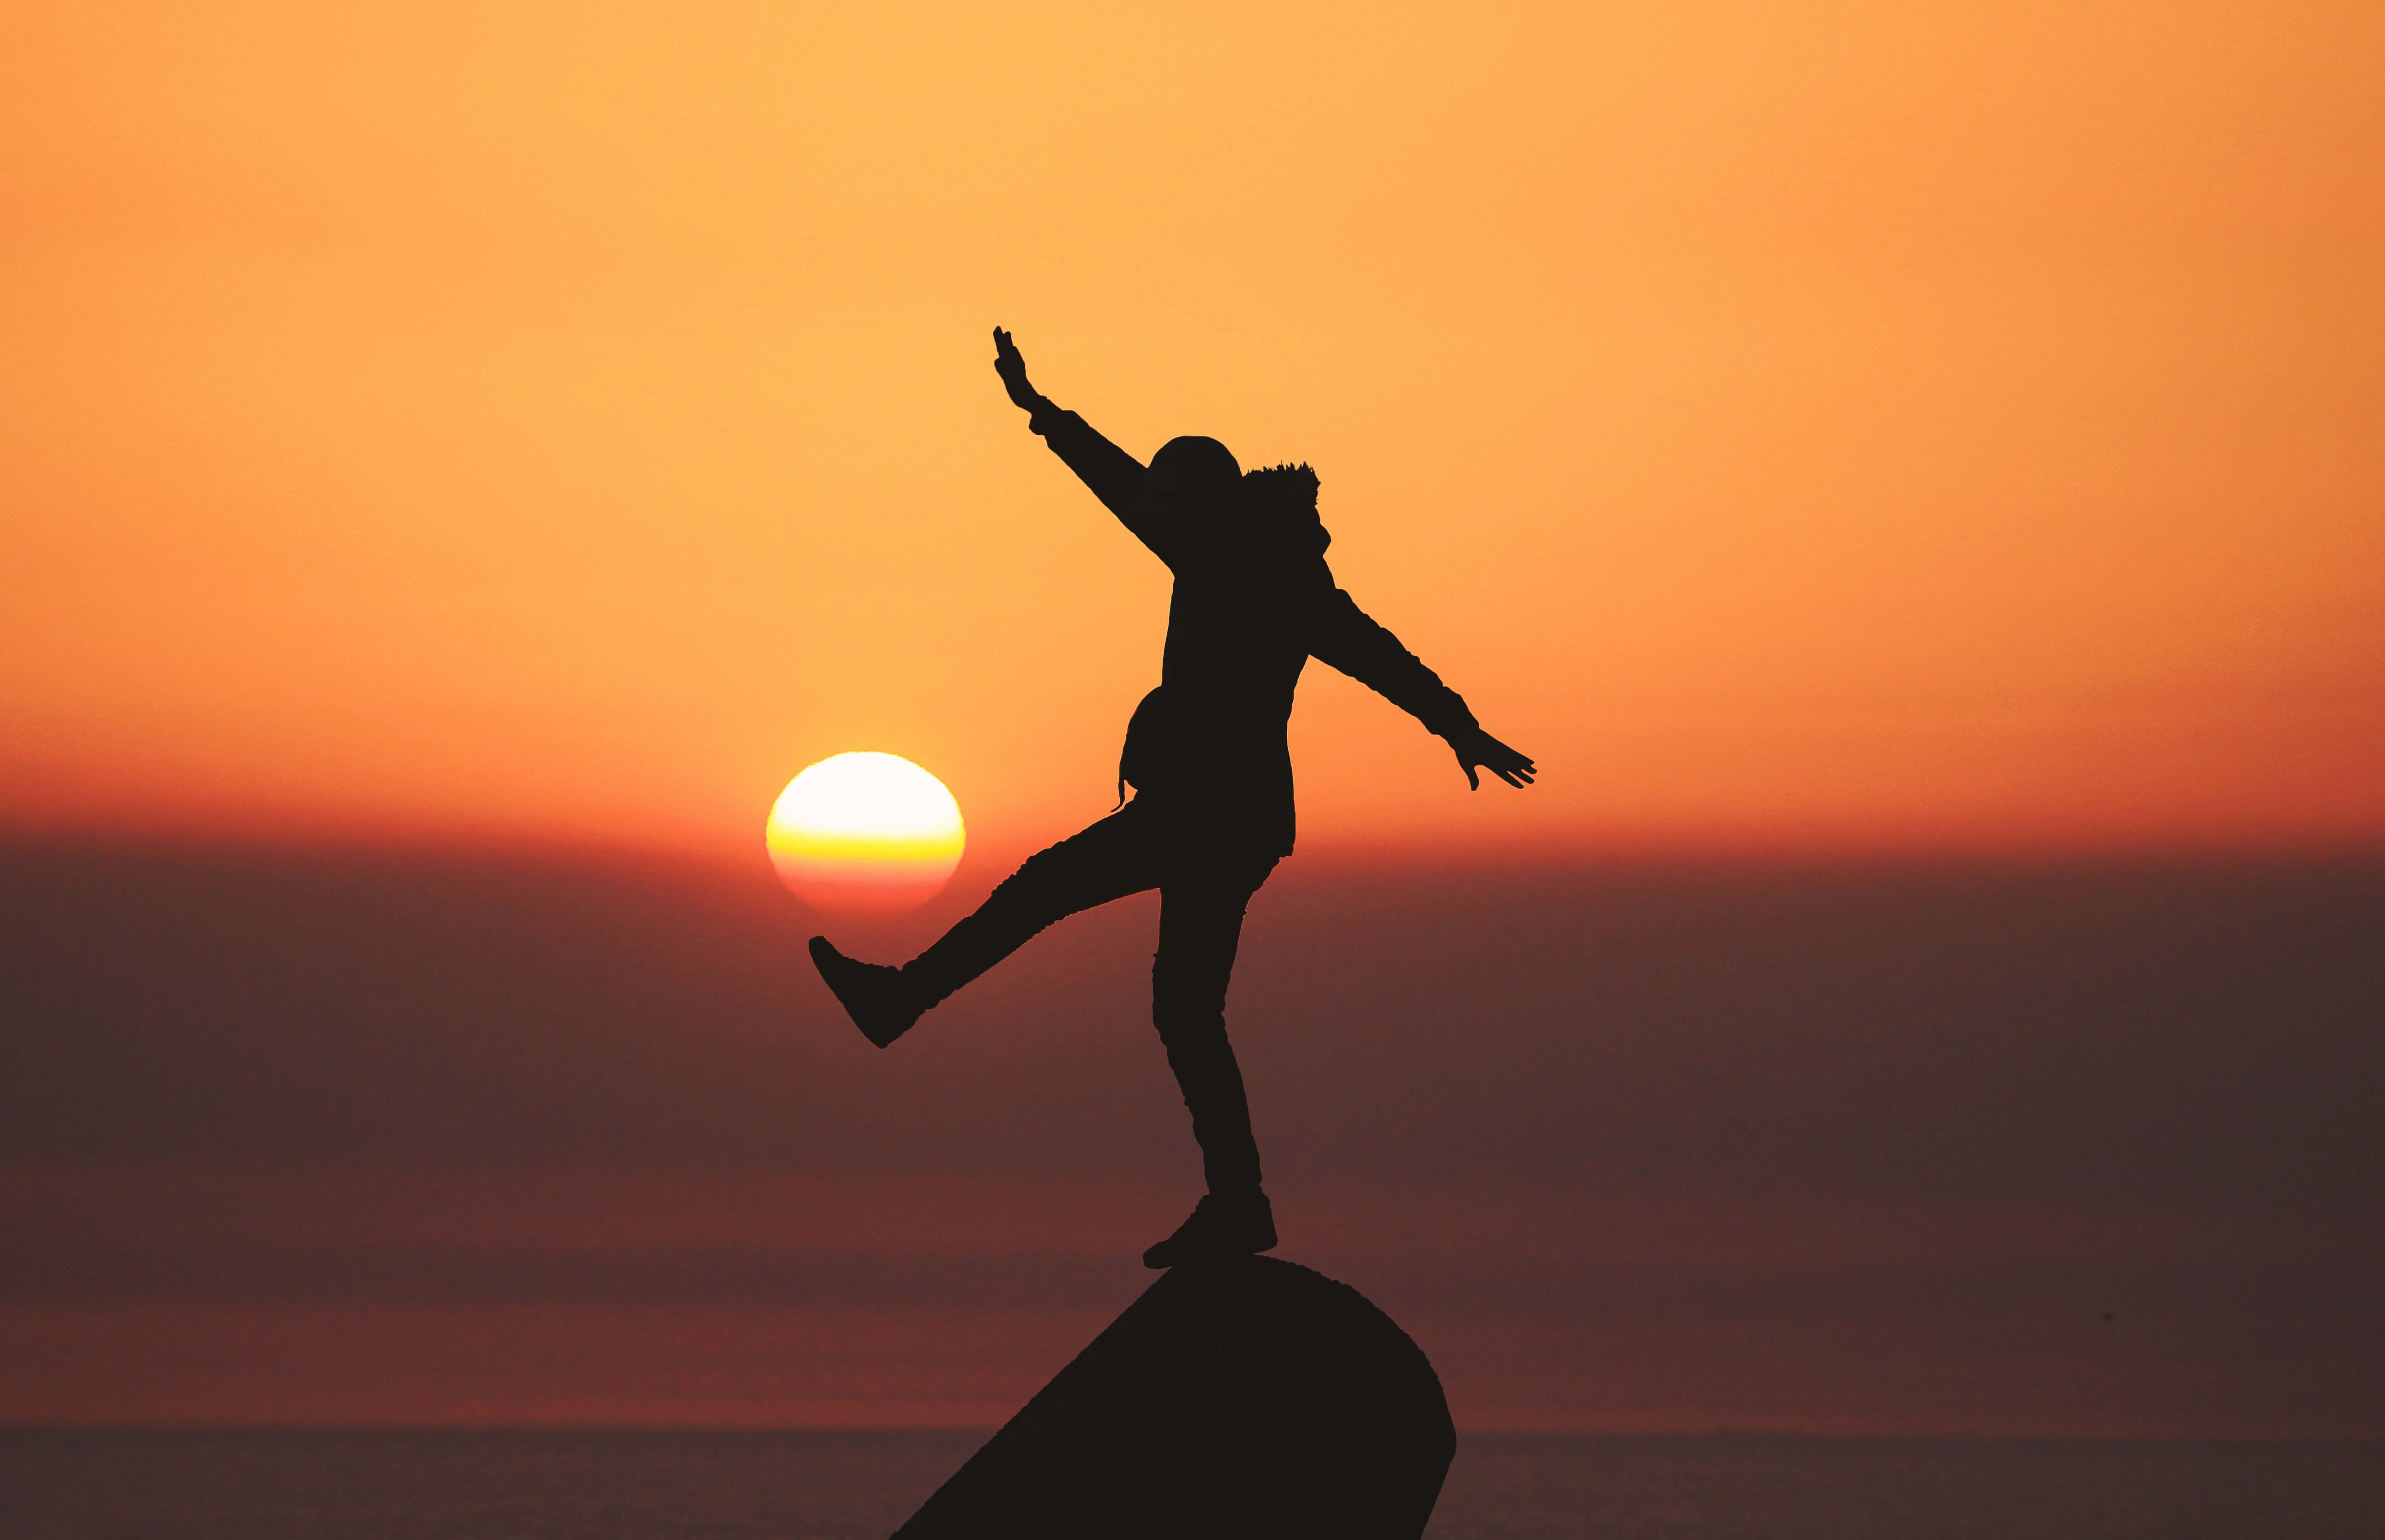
[1212, 737]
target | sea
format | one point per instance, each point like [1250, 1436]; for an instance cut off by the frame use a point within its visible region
[732, 1485]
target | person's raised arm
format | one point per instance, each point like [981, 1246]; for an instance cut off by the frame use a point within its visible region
[1345, 636]
[1113, 474]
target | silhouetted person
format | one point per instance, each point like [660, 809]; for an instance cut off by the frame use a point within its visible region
[1206, 755]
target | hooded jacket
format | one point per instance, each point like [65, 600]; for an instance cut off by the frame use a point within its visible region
[1254, 601]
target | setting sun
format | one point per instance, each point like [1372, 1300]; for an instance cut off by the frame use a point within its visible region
[865, 833]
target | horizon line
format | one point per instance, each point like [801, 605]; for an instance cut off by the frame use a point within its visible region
[1721, 848]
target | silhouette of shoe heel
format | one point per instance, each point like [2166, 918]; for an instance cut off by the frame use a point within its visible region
[876, 997]
[1236, 1225]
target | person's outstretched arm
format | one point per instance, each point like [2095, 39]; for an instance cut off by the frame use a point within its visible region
[1114, 475]
[1348, 638]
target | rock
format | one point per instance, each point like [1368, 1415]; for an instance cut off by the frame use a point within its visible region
[1248, 1397]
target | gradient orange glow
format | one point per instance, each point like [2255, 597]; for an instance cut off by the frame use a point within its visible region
[444, 443]
[865, 833]
[1834, 425]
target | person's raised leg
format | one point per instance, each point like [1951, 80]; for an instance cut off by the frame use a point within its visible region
[1201, 908]
[1107, 861]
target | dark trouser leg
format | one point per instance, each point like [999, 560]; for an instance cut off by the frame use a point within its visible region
[1107, 861]
[1201, 907]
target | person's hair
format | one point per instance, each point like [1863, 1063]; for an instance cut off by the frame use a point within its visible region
[1206, 468]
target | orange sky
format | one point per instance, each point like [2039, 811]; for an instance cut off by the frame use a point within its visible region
[1813, 423]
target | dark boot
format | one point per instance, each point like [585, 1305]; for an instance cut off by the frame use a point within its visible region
[880, 999]
[1222, 1225]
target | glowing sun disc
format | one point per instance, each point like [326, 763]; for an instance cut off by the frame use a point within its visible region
[865, 833]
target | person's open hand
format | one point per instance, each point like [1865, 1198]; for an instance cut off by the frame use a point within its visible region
[1475, 748]
[1013, 370]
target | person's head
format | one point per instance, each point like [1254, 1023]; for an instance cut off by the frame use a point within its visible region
[1190, 474]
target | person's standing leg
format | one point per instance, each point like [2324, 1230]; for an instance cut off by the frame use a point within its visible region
[1203, 899]
[1106, 861]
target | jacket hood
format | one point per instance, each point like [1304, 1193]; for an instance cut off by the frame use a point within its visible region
[1279, 510]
